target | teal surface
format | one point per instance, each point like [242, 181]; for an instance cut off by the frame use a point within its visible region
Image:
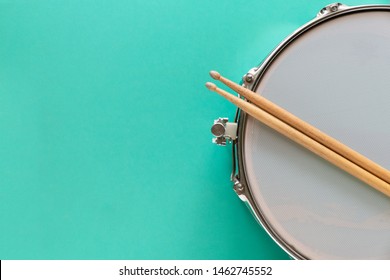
[105, 144]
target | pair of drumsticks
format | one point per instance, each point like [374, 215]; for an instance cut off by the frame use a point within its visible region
[305, 134]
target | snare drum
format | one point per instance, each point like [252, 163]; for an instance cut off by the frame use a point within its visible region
[334, 73]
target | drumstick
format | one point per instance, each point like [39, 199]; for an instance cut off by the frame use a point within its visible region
[305, 141]
[306, 128]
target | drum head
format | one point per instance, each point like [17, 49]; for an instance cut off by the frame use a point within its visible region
[335, 76]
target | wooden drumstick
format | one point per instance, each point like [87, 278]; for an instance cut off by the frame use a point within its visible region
[306, 128]
[304, 140]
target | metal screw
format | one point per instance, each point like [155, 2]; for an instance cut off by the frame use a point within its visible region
[218, 129]
[334, 8]
[249, 78]
[238, 187]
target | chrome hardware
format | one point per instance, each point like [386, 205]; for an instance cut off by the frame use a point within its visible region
[331, 8]
[238, 187]
[250, 76]
[224, 131]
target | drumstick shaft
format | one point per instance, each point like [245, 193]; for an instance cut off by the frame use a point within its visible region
[307, 129]
[305, 141]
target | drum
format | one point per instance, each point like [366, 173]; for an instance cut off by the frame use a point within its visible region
[334, 73]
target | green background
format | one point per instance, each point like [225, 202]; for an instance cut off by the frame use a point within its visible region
[105, 143]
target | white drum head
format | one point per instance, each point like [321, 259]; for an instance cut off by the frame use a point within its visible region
[335, 76]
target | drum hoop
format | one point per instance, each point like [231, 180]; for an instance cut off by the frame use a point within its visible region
[257, 73]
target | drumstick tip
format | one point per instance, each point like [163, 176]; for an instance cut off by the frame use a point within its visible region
[215, 75]
[211, 86]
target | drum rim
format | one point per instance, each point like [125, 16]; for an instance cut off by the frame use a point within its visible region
[244, 191]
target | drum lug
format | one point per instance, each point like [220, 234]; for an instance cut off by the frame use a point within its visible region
[331, 8]
[238, 187]
[224, 131]
[250, 77]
